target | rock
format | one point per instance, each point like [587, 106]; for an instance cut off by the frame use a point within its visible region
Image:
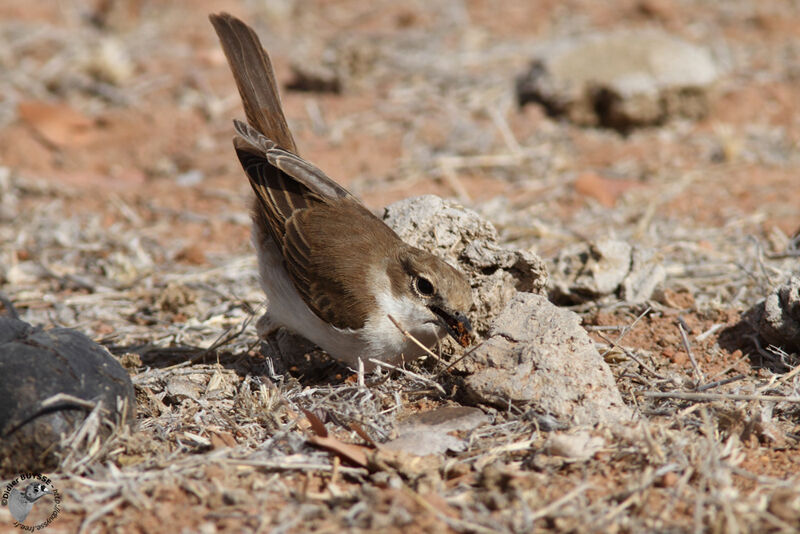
[315, 78]
[575, 446]
[538, 354]
[777, 318]
[430, 432]
[621, 79]
[587, 271]
[468, 241]
[645, 275]
[346, 63]
[36, 365]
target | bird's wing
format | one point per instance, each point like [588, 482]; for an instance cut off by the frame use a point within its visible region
[299, 206]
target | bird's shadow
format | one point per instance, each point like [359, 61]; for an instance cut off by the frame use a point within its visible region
[284, 355]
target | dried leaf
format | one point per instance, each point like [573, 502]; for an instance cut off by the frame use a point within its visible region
[317, 426]
[356, 454]
[578, 446]
[355, 427]
[221, 439]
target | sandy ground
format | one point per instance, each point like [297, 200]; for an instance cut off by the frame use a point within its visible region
[124, 214]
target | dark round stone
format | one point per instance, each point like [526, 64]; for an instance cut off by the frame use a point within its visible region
[35, 366]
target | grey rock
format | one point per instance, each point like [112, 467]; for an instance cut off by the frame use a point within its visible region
[430, 432]
[538, 355]
[36, 365]
[645, 276]
[621, 79]
[574, 446]
[468, 241]
[777, 318]
[587, 271]
[592, 269]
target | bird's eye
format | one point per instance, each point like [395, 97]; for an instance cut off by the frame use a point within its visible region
[423, 286]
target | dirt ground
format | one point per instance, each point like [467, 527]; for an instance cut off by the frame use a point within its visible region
[124, 214]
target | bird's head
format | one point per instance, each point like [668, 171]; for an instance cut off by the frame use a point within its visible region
[440, 294]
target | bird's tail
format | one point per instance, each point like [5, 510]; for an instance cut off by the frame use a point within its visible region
[255, 79]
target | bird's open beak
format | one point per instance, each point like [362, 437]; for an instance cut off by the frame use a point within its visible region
[456, 324]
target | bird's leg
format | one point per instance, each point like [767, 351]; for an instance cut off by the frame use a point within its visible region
[267, 330]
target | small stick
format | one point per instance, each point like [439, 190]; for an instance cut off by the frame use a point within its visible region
[361, 374]
[406, 333]
[608, 328]
[627, 329]
[223, 339]
[630, 355]
[505, 130]
[470, 351]
[280, 465]
[709, 332]
[718, 383]
[335, 470]
[709, 397]
[685, 339]
[409, 373]
[67, 400]
[558, 503]
[100, 512]
[789, 375]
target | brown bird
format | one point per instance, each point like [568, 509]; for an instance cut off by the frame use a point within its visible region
[331, 270]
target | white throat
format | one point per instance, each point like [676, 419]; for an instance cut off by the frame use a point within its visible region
[411, 314]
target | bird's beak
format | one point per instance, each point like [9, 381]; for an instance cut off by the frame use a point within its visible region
[456, 324]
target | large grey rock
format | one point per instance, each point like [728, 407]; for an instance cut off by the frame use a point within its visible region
[777, 318]
[537, 355]
[35, 367]
[620, 79]
[471, 243]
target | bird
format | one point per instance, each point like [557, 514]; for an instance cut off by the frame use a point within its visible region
[20, 503]
[332, 271]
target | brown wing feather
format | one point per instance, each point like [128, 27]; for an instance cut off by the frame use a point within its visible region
[299, 169]
[317, 266]
[330, 282]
